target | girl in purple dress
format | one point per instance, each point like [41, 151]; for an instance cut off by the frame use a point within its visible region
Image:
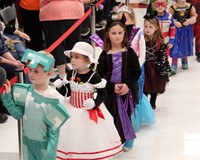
[119, 65]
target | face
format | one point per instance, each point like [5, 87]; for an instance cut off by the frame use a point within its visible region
[116, 35]
[38, 76]
[160, 5]
[78, 61]
[149, 28]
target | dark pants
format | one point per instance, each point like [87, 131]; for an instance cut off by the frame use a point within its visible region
[32, 27]
[54, 30]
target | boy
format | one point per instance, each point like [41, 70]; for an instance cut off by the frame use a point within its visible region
[38, 103]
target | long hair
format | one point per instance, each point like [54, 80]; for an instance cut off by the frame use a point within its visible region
[158, 33]
[107, 42]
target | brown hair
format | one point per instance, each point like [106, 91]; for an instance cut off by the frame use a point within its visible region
[158, 32]
[107, 42]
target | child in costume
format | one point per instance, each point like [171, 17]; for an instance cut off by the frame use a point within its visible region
[39, 105]
[157, 69]
[90, 133]
[185, 15]
[119, 65]
[196, 28]
[143, 113]
[166, 21]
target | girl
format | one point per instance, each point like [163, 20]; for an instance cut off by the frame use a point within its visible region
[143, 112]
[119, 65]
[90, 132]
[157, 67]
[185, 15]
[39, 106]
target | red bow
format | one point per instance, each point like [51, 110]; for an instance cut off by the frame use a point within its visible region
[95, 113]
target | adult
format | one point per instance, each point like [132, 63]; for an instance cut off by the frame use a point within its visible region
[57, 17]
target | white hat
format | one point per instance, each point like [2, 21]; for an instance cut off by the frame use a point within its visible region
[84, 49]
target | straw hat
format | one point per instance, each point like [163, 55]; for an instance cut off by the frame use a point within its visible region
[84, 49]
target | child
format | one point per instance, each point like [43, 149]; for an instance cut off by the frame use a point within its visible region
[166, 21]
[157, 67]
[39, 105]
[196, 28]
[119, 65]
[90, 132]
[185, 15]
[143, 112]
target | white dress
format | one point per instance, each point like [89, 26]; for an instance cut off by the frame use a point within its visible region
[81, 136]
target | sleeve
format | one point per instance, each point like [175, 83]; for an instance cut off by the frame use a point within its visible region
[134, 67]
[52, 144]
[172, 30]
[15, 110]
[193, 15]
[100, 88]
[142, 46]
[8, 29]
[56, 117]
[102, 70]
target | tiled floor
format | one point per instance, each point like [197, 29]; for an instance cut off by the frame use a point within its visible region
[174, 136]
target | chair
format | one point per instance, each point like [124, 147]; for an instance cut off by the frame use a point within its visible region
[8, 15]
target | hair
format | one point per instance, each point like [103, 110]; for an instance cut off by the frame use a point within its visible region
[158, 32]
[107, 42]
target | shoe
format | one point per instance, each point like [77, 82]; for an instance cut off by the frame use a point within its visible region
[173, 70]
[185, 66]
[198, 59]
[3, 118]
[128, 145]
[54, 79]
[85, 32]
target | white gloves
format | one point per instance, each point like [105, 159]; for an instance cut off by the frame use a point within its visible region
[59, 83]
[88, 104]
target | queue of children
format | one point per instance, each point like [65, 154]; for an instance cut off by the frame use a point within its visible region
[131, 66]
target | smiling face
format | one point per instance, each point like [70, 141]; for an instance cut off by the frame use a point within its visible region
[78, 61]
[116, 35]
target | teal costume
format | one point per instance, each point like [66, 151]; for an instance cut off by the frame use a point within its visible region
[43, 115]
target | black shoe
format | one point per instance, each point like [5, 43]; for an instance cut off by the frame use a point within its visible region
[54, 79]
[3, 118]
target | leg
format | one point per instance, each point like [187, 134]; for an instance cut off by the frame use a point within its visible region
[184, 62]
[174, 65]
[153, 100]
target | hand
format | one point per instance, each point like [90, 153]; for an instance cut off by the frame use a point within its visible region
[178, 24]
[7, 87]
[88, 104]
[59, 83]
[118, 88]
[24, 35]
[18, 64]
[169, 46]
[187, 22]
[123, 90]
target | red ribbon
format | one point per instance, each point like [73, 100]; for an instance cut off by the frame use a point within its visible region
[95, 113]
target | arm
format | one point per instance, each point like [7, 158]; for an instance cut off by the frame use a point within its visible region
[52, 144]
[172, 31]
[7, 98]
[102, 70]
